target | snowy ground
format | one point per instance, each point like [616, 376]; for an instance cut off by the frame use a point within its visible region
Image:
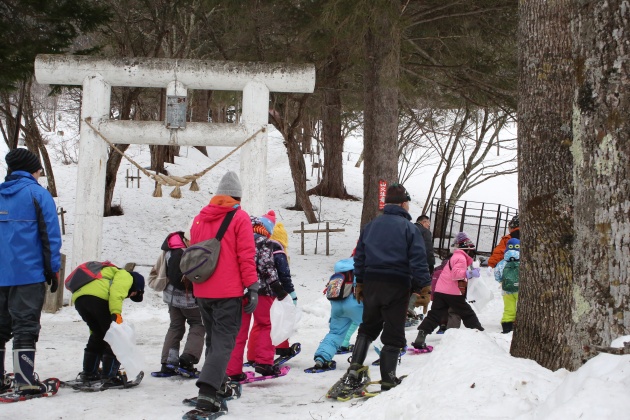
[469, 375]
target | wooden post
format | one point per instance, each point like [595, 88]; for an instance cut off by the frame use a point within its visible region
[127, 179]
[327, 235]
[302, 232]
[54, 301]
[61, 212]
[138, 177]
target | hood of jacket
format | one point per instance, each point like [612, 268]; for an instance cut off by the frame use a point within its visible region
[397, 210]
[16, 182]
[512, 253]
[174, 240]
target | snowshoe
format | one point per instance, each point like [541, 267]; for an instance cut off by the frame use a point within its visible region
[252, 377]
[294, 350]
[377, 362]
[49, 387]
[229, 391]
[384, 387]
[412, 350]
[167, 371]
[350, 386]
[202, 414]
[6, 383]
[322, 366]
[117, 382]
[345, 350]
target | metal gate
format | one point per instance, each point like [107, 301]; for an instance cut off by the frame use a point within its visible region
[485, 223]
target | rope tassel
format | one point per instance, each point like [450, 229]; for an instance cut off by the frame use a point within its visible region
[177, 192]
[158, 190]
[194, 186]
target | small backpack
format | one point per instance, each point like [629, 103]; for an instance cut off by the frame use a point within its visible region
[85, 273]
[200, 260]
[340, 285]
[436, 274]
[509, 277]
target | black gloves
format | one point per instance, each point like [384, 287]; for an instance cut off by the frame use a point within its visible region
[277, 288]
[252, 298]
[53, 281]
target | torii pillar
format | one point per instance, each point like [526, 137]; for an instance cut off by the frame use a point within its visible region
[98, 75]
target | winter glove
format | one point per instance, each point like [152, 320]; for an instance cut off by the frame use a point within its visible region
[424, 297]
[53, 281]
[117, 318]
[252, 298]
[294, 297]
[358, 292]
[277, 288]
[472, 273]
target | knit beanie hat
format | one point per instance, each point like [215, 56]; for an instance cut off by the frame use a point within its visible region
[137, 286]
[514, 223]
[269, 220]
[258, 226]
[23, 160]
[230, 185]
[462, 241]
[396, 194]
[280, 234]
[514, 243]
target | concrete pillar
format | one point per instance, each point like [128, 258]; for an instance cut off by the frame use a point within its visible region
[254, 153]
[90, 194]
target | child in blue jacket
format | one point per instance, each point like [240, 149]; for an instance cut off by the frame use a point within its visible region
[506, 272]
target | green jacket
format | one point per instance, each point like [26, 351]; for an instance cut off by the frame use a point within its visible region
[113, 287]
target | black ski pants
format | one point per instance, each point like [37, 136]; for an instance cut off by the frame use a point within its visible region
[95, 312]
[385, 309]
[20, 313]
[440, 311]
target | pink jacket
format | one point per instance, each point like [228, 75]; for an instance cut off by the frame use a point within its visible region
[453, 271]
[236, 268]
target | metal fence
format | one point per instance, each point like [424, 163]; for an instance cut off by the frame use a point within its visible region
[485, 223]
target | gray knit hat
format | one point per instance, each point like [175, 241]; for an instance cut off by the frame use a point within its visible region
[230, 185]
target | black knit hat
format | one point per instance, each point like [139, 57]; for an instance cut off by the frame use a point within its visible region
[396, 194]
[23, 160]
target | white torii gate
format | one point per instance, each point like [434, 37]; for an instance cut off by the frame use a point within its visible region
[98, 75]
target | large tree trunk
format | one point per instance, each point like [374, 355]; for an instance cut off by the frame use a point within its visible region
[331, 184]
[601, 147]
[544, 314]
[382, 49]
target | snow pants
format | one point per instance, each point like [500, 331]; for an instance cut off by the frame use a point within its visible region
[20, 312]
[259, 347]
[176, 331]
[509, 307]
[439, 311]
[95, 312]
[222, 320]
[343, 313]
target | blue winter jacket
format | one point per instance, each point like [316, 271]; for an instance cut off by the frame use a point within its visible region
[29, 230]
[392, 245]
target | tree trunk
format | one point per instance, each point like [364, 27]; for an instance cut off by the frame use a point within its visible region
[298, 173]
[201, 108]
[544, 314]
[331, 184]
[114, 159]
[382, 49]
[601, 104]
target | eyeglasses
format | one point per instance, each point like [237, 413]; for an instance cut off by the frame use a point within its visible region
[513, 246]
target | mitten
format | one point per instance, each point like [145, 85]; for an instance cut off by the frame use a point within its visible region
[53, 281]
[277, 288]
[294, 297]
[358, 292]
[117, 318]
[475, 272]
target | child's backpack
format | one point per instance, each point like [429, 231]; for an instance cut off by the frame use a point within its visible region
[340, 285]
[509, 277]
[85, 273]
[436, 274]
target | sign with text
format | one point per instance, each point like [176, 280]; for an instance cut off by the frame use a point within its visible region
[382, 190]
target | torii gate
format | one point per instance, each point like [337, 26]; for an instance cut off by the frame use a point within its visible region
[98, 75]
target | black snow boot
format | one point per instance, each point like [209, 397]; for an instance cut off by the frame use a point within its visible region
[361, 347]
[390, 356]
[507, 327]
[188, 361]
[91, 362]
[111, 375]
[419, 342]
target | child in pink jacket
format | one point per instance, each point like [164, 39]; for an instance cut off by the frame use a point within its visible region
[450, 291]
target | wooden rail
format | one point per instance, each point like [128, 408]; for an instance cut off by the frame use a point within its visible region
[328, 231]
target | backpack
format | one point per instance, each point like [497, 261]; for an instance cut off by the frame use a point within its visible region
[509, 277]
[436, 274]
[340, 285]
[200, 260]
[85, 273]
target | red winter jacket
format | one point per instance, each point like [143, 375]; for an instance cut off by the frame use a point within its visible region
[236, 268]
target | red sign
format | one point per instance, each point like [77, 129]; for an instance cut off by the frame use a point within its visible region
[382, 190]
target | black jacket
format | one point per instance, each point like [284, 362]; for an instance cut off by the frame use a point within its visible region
[428, 243]
[391, 245]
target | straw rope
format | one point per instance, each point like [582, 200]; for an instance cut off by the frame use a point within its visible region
[171, 180]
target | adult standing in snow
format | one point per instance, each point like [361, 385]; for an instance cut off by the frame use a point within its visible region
[29, 256]
[220, 297]
[182, 308]
[390, 262]
[450, 291]
[423, 223]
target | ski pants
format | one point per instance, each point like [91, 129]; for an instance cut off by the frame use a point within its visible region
[259, 347]
[439, 311]
[95, 312]
[20, 312]
[222, 320]
[385, 309]
[351, 330]
[509, 307]
[176, 331]
[343, 313]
